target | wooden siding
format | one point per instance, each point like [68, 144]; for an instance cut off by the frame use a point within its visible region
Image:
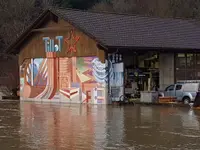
[34, 46]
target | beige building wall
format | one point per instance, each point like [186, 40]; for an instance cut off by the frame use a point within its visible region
[166, 67]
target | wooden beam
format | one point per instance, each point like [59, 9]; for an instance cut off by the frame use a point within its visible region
[52, 29]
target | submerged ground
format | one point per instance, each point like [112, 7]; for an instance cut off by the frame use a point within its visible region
[29, 126]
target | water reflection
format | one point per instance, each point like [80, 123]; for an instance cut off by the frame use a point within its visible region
[55, 127]
[9, 126]
[190, 120]
[162, 128]
[91, 127]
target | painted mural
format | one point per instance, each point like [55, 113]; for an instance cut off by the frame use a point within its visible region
[75, 79]
[64, 79]
[116, 81]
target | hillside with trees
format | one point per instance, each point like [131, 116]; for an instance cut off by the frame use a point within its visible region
[16, 15]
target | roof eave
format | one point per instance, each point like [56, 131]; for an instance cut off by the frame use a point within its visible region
[159, 49]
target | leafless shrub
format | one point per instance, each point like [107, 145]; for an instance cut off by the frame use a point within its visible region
[103, 6]
[9, 74]
[161, 8]
[16, 15]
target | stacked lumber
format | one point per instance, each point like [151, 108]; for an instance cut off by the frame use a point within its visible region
[167, 99]
[196, 108]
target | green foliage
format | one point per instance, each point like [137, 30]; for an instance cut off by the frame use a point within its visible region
[16, 15]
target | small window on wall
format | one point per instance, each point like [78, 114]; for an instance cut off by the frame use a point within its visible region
[180, 61]
[180, 74]
[198, 74]
[190, 59]
[190, 74]
[197, 64]
[186, 66]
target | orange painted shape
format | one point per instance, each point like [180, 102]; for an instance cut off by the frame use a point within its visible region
[197, 108]
[88, 94]
[72, 47]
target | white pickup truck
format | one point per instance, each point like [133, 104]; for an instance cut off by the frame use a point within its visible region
[183, 91]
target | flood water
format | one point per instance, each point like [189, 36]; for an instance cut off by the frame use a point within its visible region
[29, 126]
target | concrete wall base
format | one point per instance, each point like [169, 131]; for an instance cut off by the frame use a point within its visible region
[54, 101]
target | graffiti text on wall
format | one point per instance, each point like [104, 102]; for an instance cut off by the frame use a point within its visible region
[50, 45]
[55, 45]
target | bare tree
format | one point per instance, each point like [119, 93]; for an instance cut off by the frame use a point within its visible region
[184, 8]
[161, 8]
[9, 75]
[121, 6]
[124, 6]
[103, 6]
[15, 16]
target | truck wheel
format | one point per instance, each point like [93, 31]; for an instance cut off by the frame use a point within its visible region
[186, 100]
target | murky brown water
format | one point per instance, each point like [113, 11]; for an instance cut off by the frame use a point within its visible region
[29, 126]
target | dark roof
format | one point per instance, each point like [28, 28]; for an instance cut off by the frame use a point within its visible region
[121, 30]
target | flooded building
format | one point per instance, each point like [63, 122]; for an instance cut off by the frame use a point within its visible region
[78, 56]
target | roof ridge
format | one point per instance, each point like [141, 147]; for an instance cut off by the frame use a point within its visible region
[125, 14]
